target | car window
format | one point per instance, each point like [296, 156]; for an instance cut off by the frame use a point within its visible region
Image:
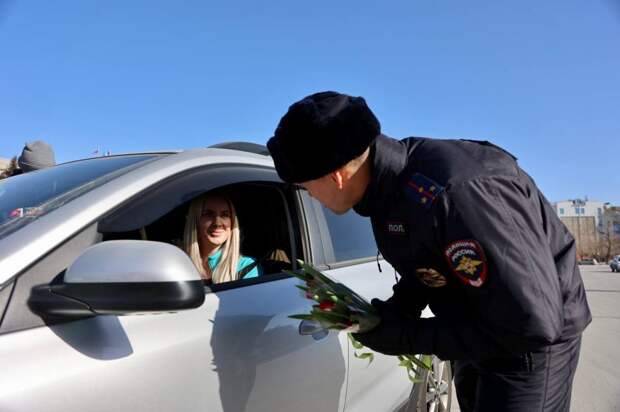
[28, 196]
[351, 234]
[267, 237]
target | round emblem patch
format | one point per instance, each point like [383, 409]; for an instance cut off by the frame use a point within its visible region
[431, 278]
[467, 261]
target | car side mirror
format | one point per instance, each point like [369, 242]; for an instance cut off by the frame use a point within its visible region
[122, 277]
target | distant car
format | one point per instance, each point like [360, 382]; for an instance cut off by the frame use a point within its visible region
[588, 262]
[614, 264]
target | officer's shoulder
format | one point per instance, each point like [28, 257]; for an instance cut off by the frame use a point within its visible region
[450, 161]
[436, 167]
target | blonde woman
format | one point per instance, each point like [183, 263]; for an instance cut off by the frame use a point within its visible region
[211, 239]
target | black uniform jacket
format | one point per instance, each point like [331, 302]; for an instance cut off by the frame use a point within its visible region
[472, 236]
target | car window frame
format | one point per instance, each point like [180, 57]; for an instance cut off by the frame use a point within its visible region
[331, 262]
[297, 251]
[239, 175]
[242, 175]
[317, 236]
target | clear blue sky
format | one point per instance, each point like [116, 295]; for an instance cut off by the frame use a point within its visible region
[540, 78]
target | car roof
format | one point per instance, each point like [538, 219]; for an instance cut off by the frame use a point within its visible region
[242, 148]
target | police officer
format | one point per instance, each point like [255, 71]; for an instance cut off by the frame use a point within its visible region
[471, 236]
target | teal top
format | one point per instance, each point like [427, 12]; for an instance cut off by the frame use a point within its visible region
[243, 262]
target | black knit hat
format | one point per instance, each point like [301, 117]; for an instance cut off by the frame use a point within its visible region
[321, 133]
[36, 155]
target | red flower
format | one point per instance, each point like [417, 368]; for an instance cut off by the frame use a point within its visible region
[327, 305]
[19, 212]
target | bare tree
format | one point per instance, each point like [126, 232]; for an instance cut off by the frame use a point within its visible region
[609, 242]
[8, 171]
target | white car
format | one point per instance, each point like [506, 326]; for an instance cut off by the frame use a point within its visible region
[85, 244]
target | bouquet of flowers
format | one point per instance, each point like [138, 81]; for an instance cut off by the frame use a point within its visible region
[339, 308]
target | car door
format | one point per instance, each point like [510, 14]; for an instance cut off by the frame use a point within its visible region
[352, 256]
[239, 351]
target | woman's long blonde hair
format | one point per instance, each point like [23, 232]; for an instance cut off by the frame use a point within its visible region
[226, 269]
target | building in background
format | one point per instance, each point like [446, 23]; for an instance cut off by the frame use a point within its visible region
[583, 229]
[610, 234]
[611, 219]
[582, 208]
[594, 225]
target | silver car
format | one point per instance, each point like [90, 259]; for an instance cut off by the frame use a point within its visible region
[85, 244]
[614, 264]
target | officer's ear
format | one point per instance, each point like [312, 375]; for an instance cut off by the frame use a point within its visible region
[338, 177]
[344, 175]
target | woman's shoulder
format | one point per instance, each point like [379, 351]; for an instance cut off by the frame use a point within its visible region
[245, 261]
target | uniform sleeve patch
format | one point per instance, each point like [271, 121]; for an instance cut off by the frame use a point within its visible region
[423, 190]
[467, 261]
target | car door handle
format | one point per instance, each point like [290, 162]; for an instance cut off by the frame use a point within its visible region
[314, 329]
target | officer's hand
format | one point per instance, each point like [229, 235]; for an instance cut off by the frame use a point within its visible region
[393, 335]
[410, 296]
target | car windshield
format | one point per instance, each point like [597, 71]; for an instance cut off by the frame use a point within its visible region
[26, 197]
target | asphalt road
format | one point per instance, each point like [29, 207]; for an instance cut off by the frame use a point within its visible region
[597, 383]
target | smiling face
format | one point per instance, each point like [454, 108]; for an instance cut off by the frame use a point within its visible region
[215, 221]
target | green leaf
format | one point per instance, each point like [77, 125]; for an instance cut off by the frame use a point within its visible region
[354, 343]
[357, 345]
[330, 316]
[419, 363]
[356, 299]
[301, 276]
[366, 355]
[309, 269]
